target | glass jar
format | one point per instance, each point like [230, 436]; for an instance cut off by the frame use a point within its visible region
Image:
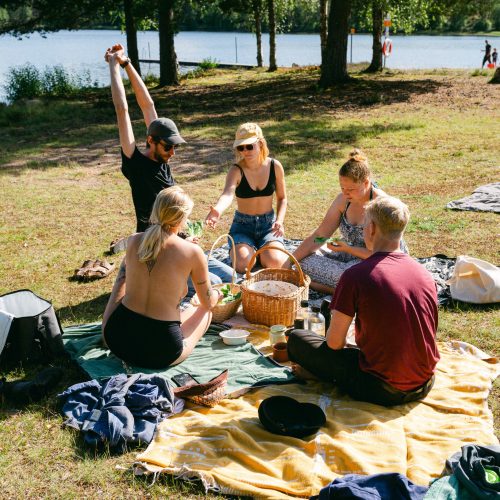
[317, 321]
[277, 334]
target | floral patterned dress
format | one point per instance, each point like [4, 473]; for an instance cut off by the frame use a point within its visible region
[326, 267]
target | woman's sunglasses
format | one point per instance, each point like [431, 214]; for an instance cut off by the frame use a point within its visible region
[248, 147]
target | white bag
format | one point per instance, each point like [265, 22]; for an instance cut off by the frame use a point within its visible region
[475, 281]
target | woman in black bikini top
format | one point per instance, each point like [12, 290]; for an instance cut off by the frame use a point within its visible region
[254, 179]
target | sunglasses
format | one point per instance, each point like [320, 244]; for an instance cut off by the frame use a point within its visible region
[168, 147]
[248, 147]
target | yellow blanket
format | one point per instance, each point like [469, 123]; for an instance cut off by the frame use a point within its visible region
[229, 450]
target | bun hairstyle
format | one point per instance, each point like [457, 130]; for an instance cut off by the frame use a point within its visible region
[356, 167]
[171, 208]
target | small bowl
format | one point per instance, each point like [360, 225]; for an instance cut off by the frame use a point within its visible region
[234, 337]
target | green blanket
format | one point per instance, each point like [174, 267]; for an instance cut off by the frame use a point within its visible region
[247, 366]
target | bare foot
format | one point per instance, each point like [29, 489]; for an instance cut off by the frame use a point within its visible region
[302, 373]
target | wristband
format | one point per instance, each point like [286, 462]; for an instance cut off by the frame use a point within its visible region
[126, 63]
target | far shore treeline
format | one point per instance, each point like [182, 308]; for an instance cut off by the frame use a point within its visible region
[333, 19]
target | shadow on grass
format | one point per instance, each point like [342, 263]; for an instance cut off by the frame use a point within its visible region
[88, 311]
[286, 94]
[52, 133]
[456, 306]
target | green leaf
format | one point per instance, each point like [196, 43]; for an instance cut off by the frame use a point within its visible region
[322, 239]
[194, 229]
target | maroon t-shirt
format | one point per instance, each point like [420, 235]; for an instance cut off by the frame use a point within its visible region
[395, 302]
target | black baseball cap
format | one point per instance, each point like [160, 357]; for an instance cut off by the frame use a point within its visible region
[165, 129]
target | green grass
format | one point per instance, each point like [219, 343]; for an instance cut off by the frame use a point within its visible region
[430, 137]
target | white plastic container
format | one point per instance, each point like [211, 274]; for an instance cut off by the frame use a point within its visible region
[234, 337]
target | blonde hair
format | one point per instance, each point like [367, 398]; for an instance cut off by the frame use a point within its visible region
[356, 167]
[170, 209]
[390, 214]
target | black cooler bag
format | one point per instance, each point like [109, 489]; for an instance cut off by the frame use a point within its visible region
[35, 334]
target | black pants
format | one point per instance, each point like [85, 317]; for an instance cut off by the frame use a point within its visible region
[311, 351]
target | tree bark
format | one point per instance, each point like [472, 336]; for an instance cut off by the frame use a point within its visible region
[334, 66]
[169, 68]
[496, 76]
[257, 8]
[377, 28]
[131, 32]
[272, 35]
[323, 26]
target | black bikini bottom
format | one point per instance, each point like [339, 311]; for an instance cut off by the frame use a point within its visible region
[143, 341]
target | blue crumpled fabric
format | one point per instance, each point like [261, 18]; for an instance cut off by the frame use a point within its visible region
[119, 411]
[385, 486]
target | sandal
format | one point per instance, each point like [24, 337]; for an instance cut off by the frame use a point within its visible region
[93, 269]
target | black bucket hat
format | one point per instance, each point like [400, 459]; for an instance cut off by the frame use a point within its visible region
[287, 417]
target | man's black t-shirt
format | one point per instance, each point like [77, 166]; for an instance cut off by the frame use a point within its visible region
[147, 178]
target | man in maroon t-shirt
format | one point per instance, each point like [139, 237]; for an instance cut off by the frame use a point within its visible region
[394, 302]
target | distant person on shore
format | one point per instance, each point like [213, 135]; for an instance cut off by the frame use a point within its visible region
[325, 263]
[394, 302]
[142, 323]
[148, 172]
[487, 53]
[494, 57]
[254, 179]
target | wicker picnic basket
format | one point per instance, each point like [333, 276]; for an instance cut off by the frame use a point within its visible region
[262, 309]
[222, 312]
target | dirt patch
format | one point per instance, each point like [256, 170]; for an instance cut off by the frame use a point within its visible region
[198, 158]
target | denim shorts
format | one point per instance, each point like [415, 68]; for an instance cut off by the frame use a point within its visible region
[253, 230]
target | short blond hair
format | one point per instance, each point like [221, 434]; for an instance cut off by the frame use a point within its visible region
[171, 208]
[390, 214]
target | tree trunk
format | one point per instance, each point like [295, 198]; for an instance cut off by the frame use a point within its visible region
[377, 28]
[272, 35]
[169, 70]
[334, 67]
[496, 76]
[323, 26]
[257, 7]
[131, 31]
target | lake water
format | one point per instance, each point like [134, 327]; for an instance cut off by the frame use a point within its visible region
[83, 50]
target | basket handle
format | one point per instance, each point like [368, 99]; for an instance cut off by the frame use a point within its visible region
[269, 246]
[234, 263]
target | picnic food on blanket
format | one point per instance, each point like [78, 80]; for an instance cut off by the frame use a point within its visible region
[234, 336]
[273, 288]
[194, 229]
[228, 305]
[228, 295]
[332, 240]
[208, 394]
[93, 270]
[281, 304]
[287, 417]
